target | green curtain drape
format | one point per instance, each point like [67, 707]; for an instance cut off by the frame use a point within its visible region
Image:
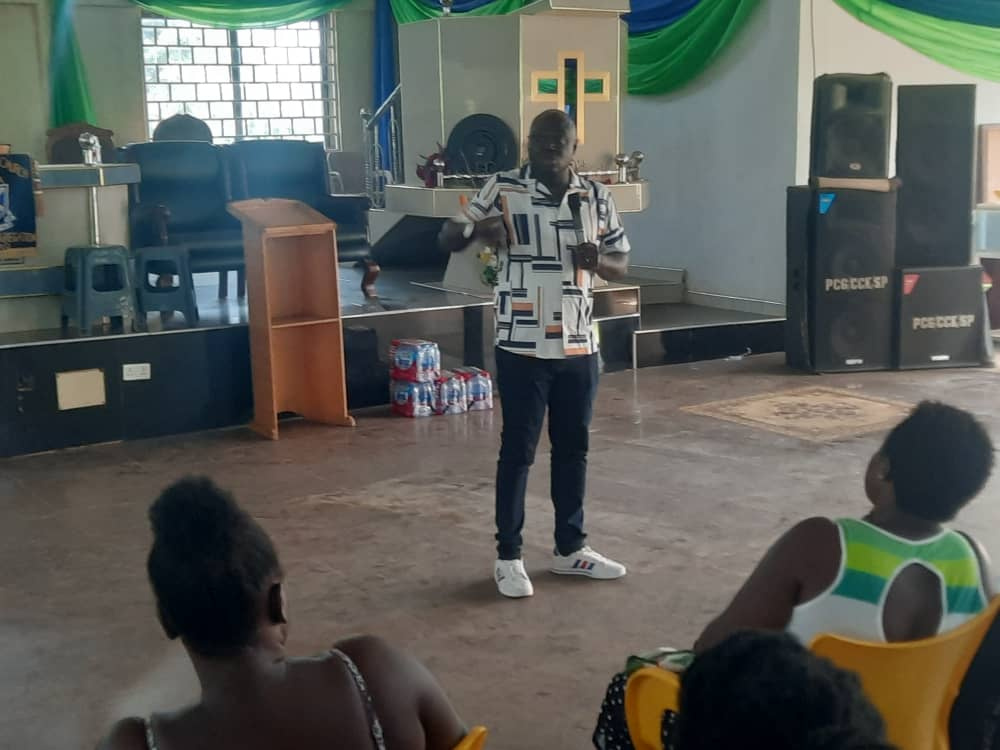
[665, 60]
[962, 46]
[406, 11]
[69, 95]
[236, 14]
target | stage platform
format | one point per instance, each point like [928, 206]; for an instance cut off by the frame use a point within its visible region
[400, 292]
[173, 378]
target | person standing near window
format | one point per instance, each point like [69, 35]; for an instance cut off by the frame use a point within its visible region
[553, 231]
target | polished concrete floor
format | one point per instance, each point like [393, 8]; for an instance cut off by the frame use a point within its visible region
[387, 529]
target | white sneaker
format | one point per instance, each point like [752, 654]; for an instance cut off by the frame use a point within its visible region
[511, 579]
[586, 562]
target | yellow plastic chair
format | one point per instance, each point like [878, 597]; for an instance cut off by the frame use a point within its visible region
[913, 684]
[474, 740]
[648, 693]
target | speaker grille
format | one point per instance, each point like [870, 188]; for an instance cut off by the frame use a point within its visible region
[850, 127]
[940, 322]
[935, 149]
[853, 233]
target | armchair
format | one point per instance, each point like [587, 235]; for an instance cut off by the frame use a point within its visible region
[181, 201]
[297, 170]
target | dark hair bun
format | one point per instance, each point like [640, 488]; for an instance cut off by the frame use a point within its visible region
[193, 517]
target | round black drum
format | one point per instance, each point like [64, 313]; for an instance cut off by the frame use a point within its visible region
[481, 144]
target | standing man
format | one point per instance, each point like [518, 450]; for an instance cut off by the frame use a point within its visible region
[553, 231]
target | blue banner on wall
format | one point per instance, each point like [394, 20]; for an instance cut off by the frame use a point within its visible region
[17, 205]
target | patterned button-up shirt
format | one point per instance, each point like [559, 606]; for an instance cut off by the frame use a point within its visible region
[544, 306]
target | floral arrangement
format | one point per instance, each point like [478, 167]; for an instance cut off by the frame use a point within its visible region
[492, 265]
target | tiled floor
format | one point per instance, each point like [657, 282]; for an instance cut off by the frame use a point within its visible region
[387, 529]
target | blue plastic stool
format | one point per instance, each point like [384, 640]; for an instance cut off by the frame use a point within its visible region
[98, 284]
[166, 261]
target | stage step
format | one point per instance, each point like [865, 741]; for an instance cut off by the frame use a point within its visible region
[658, 285]
[679, 332]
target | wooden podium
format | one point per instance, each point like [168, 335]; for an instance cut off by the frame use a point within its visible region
[296, 338]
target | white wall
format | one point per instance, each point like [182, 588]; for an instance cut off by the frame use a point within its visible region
[24, 49]
[355, 48]
[721, 151]
[720, 154]
[845, 45]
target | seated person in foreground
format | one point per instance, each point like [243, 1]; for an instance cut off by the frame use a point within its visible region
[765, 690]
[896, 574]
[219, 588]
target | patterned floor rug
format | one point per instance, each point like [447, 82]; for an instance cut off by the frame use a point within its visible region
[816, 414]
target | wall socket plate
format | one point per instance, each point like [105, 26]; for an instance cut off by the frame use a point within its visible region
[137, 371]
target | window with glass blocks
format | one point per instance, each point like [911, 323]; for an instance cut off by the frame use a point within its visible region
[245, 83]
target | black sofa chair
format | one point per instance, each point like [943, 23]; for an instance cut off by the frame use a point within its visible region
[297, 170]
[181, 200]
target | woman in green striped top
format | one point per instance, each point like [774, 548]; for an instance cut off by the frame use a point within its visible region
[898, 573]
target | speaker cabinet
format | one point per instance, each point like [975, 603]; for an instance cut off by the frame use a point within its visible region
[940, 321]
[850, 126]
[798, 354]
[935, 151]
[840, 278]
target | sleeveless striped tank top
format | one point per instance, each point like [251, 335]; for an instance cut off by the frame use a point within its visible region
[870, 560]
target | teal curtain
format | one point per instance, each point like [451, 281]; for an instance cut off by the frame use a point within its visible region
[236, 14]
[69, 95]
[966, 47]
[667, 59]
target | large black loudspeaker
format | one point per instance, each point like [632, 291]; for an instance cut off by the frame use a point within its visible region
[798, 352]
[850, 126]
[839, 284]
[940, 320]
[935, 152]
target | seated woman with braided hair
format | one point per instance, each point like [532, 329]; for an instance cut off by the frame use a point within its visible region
[220, 589]
[896, 574]
[765, 690]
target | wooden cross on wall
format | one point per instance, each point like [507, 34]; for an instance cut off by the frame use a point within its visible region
[570, 87]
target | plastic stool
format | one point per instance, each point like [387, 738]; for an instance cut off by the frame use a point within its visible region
[168, 260]
[98, 285]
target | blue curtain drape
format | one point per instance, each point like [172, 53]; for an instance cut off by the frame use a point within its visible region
[386, 74]
[653, 15]
[977, 12]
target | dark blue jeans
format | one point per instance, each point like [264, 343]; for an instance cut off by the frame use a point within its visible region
[529, 387]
